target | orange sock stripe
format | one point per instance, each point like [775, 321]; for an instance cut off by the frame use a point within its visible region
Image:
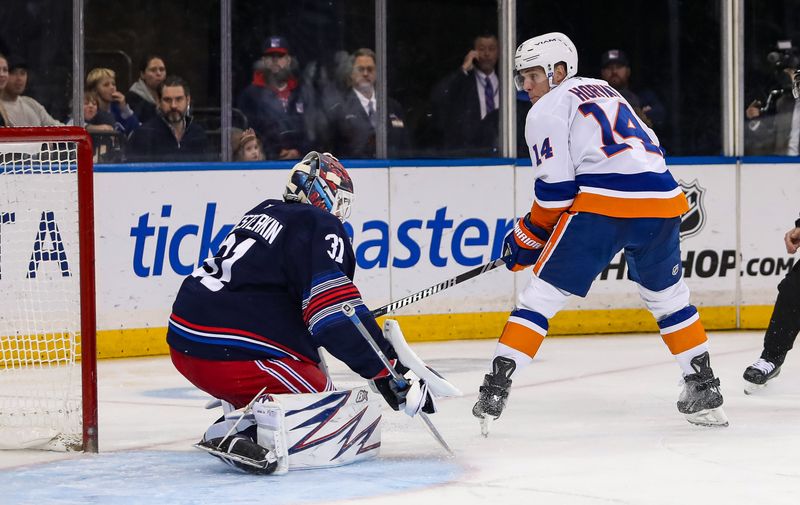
[685, 338]
[521, 338]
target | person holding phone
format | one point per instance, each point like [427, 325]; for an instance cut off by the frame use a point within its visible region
[465, 103]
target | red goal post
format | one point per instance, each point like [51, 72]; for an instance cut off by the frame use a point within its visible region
[61, 153]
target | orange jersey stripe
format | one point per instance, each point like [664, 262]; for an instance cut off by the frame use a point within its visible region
[521, 338]
[630, 207]
[552, 242]
[544, 217]
[685, 338]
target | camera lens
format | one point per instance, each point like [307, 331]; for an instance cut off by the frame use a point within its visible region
[774, 57]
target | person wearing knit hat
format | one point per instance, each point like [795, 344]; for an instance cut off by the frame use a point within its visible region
[246, 146]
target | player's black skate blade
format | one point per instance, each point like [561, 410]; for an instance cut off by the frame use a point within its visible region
[493, 394]
[241, 453]
[758, 374]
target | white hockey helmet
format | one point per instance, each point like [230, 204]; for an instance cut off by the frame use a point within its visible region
[546, 51]
[320, 180]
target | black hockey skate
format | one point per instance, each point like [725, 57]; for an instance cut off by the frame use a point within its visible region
[757, 375]
[242, 453]
[493, 394]
[700, 400]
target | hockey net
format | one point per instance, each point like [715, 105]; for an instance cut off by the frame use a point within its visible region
[48, 373]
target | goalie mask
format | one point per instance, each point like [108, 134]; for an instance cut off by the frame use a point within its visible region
[319, 179]
[546, 51]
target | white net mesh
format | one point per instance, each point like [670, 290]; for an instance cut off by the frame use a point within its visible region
[40, 375]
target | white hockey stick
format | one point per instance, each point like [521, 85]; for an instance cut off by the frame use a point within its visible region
[350, 312]
[449, 283]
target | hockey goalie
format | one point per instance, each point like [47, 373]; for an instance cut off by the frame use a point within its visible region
[247, 325]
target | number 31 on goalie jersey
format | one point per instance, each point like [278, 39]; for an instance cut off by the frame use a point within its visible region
[626, 125]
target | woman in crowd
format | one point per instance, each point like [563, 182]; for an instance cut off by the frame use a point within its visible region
[143, 94]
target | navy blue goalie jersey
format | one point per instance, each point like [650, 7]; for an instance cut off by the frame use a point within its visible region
[275, 289]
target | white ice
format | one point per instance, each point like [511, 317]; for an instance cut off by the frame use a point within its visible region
[591, 421]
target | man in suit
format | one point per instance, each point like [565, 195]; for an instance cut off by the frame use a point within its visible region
[354, 117]
[465, 103]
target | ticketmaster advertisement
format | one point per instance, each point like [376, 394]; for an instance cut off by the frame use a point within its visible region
[414, 226]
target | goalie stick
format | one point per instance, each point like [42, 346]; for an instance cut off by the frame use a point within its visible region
[449, 283]
[350, 312]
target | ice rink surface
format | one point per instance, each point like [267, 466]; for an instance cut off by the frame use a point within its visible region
[591, 421]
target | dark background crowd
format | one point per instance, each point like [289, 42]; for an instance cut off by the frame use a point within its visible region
[317, 86]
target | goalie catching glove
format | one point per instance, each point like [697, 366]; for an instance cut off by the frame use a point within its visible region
[410, 395]
[523, 245]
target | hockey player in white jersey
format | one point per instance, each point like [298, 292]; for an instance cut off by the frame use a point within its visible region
[601, 187]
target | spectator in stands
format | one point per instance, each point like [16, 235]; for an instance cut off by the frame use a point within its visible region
[465, 103]
[246, 146]
[273, 103]
[22, 110]
[103, 82]
[143, 94]
[94, 119]
[616, 70]
[3, 82]
[107, 142]
[773, 126]
[354, 118]
[170, 135]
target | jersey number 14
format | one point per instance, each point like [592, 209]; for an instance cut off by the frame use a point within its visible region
[626, 126]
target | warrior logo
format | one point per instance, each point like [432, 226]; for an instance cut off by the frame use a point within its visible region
[695, 218]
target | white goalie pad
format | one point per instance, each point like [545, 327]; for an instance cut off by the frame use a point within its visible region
[437, 384]
[322, 429]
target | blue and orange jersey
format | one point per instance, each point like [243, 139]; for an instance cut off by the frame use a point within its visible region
[275, 289]
[592, 153]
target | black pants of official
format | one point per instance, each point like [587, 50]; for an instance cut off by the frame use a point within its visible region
[784, 325]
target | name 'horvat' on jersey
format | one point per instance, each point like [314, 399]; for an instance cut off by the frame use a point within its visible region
[589, 91]
[266, 226]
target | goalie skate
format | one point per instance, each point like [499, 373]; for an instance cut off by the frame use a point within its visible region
[758, 374]
[242, 453]
[700, 400]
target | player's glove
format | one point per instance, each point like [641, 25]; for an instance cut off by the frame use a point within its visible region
[523, 245]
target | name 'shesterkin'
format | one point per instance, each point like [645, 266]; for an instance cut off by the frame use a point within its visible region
[266, 226]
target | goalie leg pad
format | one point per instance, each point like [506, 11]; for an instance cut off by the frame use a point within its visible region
[331, 429]
[271, 430]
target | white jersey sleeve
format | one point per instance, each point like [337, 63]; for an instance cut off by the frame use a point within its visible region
[549, 145]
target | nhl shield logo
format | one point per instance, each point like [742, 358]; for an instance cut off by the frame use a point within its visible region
[695, 218]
